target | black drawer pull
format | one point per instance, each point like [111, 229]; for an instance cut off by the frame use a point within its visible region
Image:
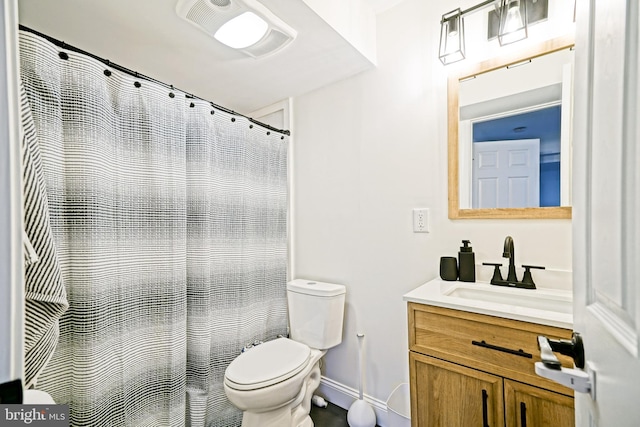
[485, 409]
[523, 414]
[520, 352]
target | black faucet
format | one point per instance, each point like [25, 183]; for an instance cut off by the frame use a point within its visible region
[512, 278]
[510, 253]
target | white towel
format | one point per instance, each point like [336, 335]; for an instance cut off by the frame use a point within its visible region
[45, 295]
[30, 255]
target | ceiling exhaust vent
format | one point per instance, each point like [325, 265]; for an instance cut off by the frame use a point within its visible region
[210, 15]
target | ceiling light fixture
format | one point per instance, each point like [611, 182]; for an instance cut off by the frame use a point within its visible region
[242, 31]
[244, 25]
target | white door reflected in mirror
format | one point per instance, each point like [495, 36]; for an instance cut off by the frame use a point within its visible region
[506, 174]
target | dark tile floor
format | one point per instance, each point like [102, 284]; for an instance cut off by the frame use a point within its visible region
[331, 416]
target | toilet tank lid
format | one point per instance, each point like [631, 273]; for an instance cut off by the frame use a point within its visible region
[314, 287]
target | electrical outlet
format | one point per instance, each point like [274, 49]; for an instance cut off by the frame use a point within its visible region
[421, 220]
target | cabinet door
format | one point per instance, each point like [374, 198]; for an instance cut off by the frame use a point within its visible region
[528, 406]
[444, 394]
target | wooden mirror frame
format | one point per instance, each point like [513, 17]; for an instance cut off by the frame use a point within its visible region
[453, 87]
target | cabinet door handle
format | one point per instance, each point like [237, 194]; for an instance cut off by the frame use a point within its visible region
[485, 409]
[520, 352]
[523, 414]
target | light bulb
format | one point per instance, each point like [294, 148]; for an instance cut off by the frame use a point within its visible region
[514, 18]
[453, 27]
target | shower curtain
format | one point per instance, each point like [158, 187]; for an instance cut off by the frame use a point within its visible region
[236, 252]
[169, 220]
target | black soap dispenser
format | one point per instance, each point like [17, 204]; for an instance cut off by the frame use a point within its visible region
[466, 263]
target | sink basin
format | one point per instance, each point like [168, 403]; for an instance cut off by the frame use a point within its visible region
[537, 299]
[545, 306]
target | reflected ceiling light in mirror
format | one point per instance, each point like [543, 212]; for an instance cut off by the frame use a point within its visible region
[242, 31]
[518, 64]
[513, 21]
[451, 37]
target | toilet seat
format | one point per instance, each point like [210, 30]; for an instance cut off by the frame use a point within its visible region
[267, 364]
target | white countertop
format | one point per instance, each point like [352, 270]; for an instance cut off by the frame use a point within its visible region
[551, 307]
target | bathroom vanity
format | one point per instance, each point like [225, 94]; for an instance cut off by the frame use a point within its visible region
[472, 350]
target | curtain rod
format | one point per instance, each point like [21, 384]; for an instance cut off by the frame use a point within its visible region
[110, 64]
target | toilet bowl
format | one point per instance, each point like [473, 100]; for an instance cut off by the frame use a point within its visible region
[272, 383]
[270, 396]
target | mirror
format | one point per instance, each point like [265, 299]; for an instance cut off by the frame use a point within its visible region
[509, 142]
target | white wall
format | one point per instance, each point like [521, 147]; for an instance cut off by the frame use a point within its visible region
[367, 151]
[354, 20]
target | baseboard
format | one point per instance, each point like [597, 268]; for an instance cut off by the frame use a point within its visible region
[343, 396]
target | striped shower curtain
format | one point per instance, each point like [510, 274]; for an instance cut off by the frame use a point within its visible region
[169, 221]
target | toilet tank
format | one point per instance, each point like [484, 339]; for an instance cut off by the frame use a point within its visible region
[316, 312]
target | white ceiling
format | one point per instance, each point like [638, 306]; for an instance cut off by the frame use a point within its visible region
[147, 36]
[382, 5]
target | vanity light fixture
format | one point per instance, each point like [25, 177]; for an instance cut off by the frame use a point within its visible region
[508, 21]
[513, 21]
[452, 33]
[452, 37]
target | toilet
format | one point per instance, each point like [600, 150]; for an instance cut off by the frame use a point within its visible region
[273, 382]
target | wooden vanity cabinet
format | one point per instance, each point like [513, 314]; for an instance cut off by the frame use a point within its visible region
[528, 406]
[470, 369]
[454, 395]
